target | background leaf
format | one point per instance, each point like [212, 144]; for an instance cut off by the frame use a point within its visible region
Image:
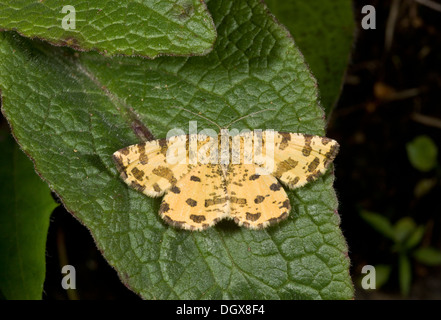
[403, 229]
[379, 223]
[405, 273]
[26, 205]
[71, 112]
[146, 28]
[422, 153]
[324, 32]
[415, 237]
[382, 274]
[428, 255]
[424, 186]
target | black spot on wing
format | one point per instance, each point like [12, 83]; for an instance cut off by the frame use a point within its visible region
[253, 216]
[275, 186]
[175, 189]
[191, 202]
[286, 205]
[138, 174]
[164, 207]
[197, 218]
[119, 165]
[306, 151]
[259, 199]
[156, 187]
[314, 164]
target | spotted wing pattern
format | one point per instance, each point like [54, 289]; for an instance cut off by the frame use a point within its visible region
[200, 192]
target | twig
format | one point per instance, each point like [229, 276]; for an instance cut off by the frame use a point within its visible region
[405, 94]
[426, 120]
[390, 26]
[431, 4]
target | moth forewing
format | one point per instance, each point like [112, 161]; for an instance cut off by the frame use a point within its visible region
[264, 156]
[302, 158]
[208, 152]
[177, 150]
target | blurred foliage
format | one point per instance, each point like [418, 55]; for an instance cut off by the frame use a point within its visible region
[406, 237]
[422, 153]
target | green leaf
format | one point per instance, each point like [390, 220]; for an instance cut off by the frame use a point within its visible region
[324, 31]
[26, 205]
[70, 112]
[403, 229]
[379, 223]
[422, 153]
[146, 28]
[415, 237]
[382, 274]
[428, 255]
[405, 274]
[424, 186]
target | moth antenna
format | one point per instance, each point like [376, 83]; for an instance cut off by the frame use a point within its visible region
[249, 115]
[197, 114]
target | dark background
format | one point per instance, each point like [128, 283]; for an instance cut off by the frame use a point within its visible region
[390, 81]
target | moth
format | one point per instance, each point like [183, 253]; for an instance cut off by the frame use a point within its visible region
[205, 179]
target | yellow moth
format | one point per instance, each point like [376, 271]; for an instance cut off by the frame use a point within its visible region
[207, 178]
